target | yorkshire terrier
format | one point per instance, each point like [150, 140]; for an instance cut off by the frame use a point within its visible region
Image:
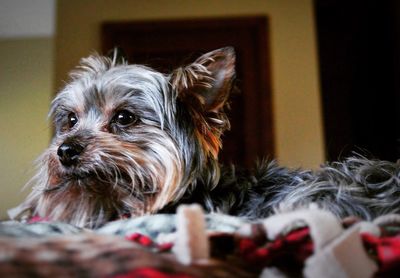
[131, 141]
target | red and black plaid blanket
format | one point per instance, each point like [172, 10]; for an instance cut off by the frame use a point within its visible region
[309, 243]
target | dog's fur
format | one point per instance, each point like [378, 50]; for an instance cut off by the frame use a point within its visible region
[131, 141]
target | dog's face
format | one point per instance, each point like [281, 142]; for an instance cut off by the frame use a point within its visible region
[129, 140]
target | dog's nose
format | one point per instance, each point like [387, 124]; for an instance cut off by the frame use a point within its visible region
[68, 153]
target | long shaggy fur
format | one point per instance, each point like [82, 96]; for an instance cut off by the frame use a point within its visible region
[355, 187]
[166, 154]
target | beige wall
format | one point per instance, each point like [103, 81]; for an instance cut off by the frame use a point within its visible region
[25, 87]
[296, 103]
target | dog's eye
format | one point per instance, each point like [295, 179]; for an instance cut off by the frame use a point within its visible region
[72, 119]
[124, 118]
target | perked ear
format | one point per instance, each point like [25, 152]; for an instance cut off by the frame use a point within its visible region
[204, 87]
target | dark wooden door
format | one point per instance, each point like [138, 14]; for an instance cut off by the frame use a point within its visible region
[164, 45]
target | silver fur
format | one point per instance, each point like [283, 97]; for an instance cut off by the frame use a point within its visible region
[168, 154]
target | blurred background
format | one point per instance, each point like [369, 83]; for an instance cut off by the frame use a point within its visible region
[319, 79]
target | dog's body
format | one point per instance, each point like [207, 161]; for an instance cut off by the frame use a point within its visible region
[131, 141]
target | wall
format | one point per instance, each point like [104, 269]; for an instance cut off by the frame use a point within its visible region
[25, 87]
[296, 101]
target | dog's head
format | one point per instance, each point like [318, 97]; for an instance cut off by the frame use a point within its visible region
[130, 140]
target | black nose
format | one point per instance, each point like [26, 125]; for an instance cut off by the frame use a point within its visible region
[68, 153]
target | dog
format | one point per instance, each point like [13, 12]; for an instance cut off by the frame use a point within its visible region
[131, 141]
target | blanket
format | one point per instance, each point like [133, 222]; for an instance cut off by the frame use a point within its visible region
[303, 243]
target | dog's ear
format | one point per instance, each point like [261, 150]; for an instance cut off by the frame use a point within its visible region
[204, 88]
[209, 79]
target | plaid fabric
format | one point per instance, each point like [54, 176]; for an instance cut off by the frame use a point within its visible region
[134, 249]
[386, 251]
[288, 251]
[150, 273]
